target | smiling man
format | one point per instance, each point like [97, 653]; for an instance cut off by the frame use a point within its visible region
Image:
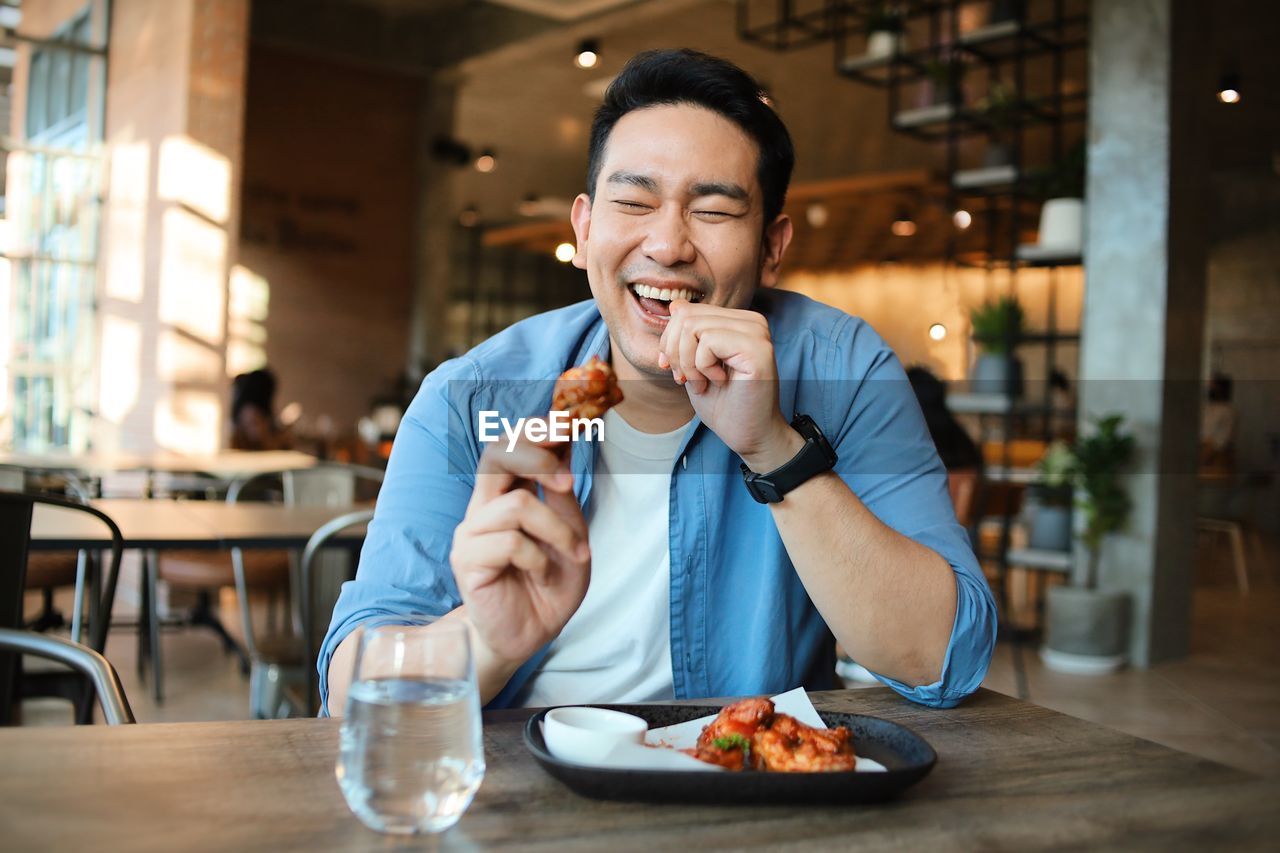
[766, 487]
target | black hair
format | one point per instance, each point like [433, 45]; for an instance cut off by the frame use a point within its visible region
[256, 388]
[956, 449]
[1220, 388]
[671, 77]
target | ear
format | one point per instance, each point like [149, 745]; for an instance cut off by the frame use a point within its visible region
[581, 219]
[777, 237]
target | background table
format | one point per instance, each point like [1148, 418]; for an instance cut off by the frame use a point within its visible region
[1009, 774]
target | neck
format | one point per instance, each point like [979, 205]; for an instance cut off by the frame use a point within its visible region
[650, 404]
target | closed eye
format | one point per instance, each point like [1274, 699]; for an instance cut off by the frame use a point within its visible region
[631, 206]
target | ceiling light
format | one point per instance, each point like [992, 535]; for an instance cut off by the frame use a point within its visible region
[937, 331]
[565, 252]
[962, 219]
[817, 214]
[486, 162]
[469, 217]
[903, 224]
[1229, 89]
[588, 54]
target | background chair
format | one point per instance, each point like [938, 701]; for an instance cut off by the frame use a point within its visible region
[327, 485]
[84, 660]
[16, 512]
[291, 686]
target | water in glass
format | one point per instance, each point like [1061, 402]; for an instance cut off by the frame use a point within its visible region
[411, 756]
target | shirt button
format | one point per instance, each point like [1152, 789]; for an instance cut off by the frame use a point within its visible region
[684, 461]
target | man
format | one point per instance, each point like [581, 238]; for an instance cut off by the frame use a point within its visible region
[648, 568]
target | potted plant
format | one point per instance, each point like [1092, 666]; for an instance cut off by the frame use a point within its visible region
[1050, 500]
[1000, 107]
[944, 76]
[997, 325]
[1062, 215]
[1087, 629]
[885, 31]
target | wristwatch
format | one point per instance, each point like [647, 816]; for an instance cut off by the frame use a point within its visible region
[816, 456]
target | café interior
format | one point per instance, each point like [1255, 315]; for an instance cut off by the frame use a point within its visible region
[237, 234]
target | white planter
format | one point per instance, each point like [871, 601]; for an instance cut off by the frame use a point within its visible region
[1086, 631]
[1062, 225]
[883, 43]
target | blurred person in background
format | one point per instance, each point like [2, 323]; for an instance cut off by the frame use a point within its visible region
[253, 420]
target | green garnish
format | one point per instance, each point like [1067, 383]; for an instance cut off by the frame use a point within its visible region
[734, 741]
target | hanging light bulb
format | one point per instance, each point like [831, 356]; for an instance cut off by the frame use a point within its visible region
[937, 331]
[486, 162]
[469, 217]
[962, 219]
[1229, 89]
[817, 214]
[565, 252]
[588, 55]
[903, 225]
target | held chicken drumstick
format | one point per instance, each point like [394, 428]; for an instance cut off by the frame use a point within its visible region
[587, 391]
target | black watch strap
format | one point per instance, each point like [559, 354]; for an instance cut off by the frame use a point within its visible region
[814, 458]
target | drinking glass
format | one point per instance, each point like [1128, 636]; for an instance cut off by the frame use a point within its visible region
[411, 755]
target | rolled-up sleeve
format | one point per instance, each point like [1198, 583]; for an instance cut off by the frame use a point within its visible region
[889, 461]
[404, 564]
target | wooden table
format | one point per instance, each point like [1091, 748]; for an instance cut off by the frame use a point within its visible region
[153, 526]
[1009, 775]
[163, 524]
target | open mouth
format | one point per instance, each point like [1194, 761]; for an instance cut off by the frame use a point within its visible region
[656, 301]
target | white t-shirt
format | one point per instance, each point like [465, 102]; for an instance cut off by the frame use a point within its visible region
[617, 646]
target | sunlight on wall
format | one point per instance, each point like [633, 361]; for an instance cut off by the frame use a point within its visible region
[120, 369]
[196, 176]
[184, 360]
[247, 310]
[188, 421]
[6, 345]
[126, 223]
[902, 301]
[192, 275]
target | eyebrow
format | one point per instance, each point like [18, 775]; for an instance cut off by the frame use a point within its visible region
[634, 179]
[732, 191]
[698, 190]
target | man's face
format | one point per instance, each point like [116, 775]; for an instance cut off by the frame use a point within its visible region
[678, 213]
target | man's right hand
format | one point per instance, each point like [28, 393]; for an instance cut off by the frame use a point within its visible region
[521, 564]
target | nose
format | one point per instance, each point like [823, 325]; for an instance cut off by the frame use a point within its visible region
[667, 240]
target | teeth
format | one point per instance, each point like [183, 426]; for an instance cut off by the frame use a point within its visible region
[665, 294]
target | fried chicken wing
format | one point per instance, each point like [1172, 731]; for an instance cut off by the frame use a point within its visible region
[587, 391]
[788, 745]
[727, 740]
[751, 734]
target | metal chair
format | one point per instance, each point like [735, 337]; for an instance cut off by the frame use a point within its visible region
[16, 511]
[84, 660]
[289, 680]
[323, 485]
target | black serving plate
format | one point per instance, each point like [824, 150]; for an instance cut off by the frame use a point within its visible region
[908, 757]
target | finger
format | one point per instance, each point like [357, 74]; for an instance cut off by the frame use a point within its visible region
[499, 468]
[687, 360]
[567, 508]
[521, 510]
[667, 348]
[709, 364]
[746, 356]
[484, 557]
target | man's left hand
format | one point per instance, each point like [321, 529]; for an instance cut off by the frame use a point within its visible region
[724, 358]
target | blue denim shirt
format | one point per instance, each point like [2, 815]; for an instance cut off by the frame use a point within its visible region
[741, 620]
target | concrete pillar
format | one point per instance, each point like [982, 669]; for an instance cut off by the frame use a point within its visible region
[1145, 267]
[175, 119]
[437, 224]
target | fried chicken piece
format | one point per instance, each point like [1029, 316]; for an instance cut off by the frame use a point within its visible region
[743, 718]
[788, 745]
[587, 391]
[727, 740]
